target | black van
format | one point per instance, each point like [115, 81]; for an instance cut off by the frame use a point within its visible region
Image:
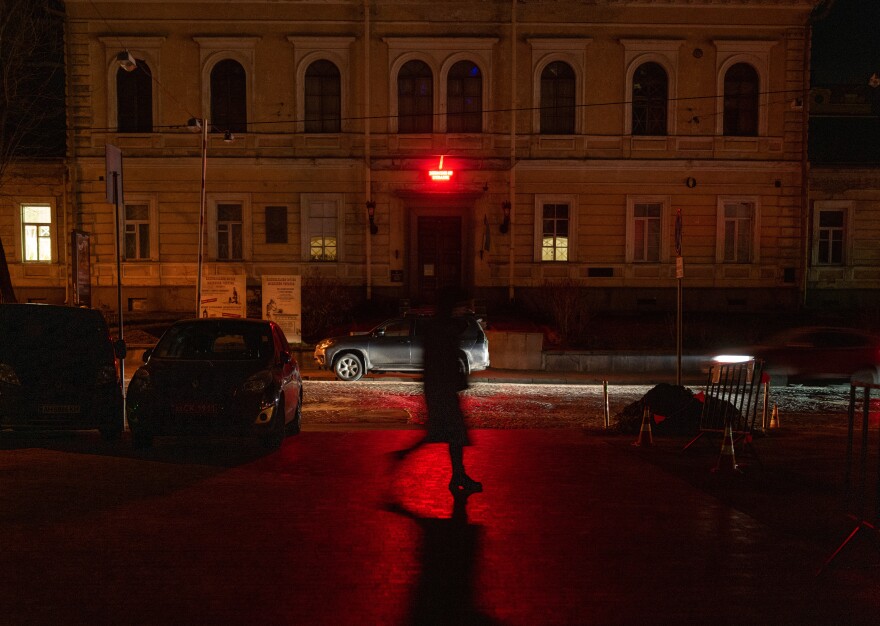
[58, 370]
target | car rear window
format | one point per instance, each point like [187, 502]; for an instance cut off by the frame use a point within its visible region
[47, 330]
[221, 342]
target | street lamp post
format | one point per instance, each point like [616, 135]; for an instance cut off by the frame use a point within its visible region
[196, 124]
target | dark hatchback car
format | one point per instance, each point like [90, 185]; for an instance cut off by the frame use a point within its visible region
[395, 345]
[217, 377]
[58, 370]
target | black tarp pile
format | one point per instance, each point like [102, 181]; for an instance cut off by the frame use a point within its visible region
[675, 410]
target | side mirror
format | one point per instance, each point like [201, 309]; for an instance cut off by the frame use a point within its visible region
[120, 349]
[285, 358]
[146, 355]
[379, 332]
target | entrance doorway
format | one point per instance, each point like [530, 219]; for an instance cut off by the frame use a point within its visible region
[439, 256]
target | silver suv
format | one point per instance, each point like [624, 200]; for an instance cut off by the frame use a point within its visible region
[395, 345]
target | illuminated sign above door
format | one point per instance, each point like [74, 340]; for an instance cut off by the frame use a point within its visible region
[440, 174]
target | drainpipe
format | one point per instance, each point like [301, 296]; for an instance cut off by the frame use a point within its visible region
[512, 191]
[806, 209]
[367, 169]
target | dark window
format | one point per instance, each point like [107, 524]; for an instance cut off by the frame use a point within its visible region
[464, 99]
[276, 224]
[228, 97]
[323, 98]
[134, 99]
[557, 99]
[229, 232]
[832, 231]
[415, 98]
[650, 91]
[741, 101]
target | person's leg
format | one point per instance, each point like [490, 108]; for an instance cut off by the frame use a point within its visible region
[460, 480]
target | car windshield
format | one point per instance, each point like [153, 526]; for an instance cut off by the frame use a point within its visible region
[216, 342]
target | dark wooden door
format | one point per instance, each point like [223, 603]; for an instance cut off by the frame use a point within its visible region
[439, 256]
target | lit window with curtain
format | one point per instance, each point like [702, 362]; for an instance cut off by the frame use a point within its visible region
[558, 99]
[323, 98]
[36, 232]
[737, 231]
[229, 232]
[228, 97]
[741, 101]
[554, 238]
[646, 231]
[137, 232]
[322, 231]
[464, 98]
[134, 99]
[415, 98]
[650, 99]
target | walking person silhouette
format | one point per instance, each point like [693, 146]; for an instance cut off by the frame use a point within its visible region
[444, 378]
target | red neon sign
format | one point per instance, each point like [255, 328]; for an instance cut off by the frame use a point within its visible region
[440, 173]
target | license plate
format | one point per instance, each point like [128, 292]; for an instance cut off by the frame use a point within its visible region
[59, 409]
[195, 408]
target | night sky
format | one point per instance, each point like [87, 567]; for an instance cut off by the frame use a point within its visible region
[846, 43]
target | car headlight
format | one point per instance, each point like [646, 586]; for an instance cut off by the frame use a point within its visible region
[8, 375]
[324, 344]
[140, 380]
[106, 374]
[255, 385]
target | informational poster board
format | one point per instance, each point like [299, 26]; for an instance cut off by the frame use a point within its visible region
[224, 296]
[82, 276]
[282, 303]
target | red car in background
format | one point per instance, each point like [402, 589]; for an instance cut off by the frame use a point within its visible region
[820, 353]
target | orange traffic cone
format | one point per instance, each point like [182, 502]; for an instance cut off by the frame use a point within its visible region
[774, 417]
[646, 428]
[727, 460]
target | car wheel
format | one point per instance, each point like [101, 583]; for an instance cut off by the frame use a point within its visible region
[463, 366]
[141, 439]
[348, 367]
[275, 437]
[296, 423]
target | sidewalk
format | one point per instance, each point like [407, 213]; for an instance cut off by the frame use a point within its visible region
[573, 528]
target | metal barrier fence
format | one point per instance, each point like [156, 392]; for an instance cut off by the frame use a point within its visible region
[860, 503]
[731, 398]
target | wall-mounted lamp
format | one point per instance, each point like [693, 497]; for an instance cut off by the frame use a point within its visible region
[126, 61]
[691, 182]
[228, 137]
[505, 216]
[371, 213]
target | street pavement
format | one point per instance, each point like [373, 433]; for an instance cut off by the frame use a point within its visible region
[574, 527]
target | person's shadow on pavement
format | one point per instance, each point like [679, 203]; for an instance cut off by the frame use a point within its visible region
[448, 553]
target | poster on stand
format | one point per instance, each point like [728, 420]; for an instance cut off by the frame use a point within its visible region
[224, 296]
[282, 303]
[82, 276]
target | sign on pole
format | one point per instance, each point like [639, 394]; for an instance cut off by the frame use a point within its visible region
[113, 174]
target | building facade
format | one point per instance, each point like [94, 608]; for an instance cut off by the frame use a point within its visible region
[399, 147]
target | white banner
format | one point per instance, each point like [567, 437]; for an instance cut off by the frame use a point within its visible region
[224, 296]
[282, 303]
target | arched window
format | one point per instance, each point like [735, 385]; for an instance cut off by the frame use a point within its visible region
[415, 98]
[323, 99]
[650, 90]
[741, 101]
[228, 97]
[464, 99]
[557, 99]
[134, 99]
